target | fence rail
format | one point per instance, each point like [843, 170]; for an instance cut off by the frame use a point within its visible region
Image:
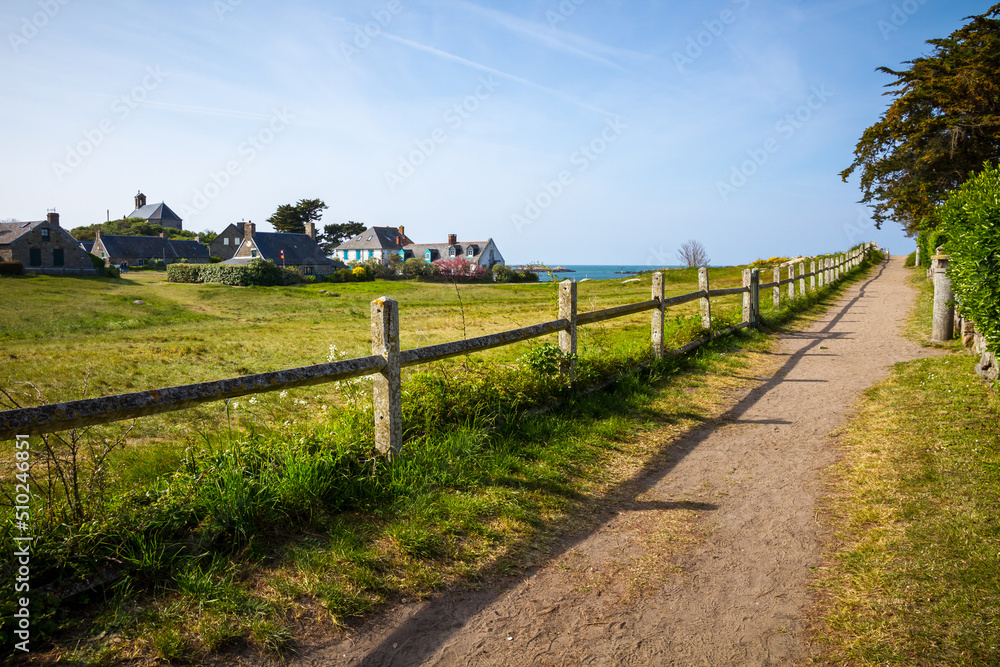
[386, 359]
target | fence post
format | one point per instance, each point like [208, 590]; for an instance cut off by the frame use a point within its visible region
[706, 304]
[567, 339]
[812, 278]
[776, 290]
[657, 325]
[791, 282]
[802, 280]
[747, 312]
[754, 297]
[824, 274]
[388, 395]
[943, 319]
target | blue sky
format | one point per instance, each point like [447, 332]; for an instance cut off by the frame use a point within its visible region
[579, 132]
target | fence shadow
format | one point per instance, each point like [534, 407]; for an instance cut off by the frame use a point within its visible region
[443, 616]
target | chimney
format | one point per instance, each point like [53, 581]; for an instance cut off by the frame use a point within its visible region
[311, 230]
[52, 218]
[248, 230]
[402, 231]
[452, 239]
[140, 200]
[97, 234]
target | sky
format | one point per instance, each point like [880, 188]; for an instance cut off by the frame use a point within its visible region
[568, 131]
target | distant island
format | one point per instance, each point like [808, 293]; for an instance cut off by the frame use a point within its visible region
[543, 269]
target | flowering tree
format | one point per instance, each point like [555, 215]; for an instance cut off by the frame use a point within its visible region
[457, 268]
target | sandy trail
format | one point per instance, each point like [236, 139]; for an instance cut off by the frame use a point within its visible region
[741, 596]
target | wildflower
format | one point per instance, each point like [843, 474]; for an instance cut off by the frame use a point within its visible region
[283, 394]
[253, 400]
[235, 404]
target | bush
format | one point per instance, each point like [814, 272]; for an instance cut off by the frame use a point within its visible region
[970, 221]
[457, 268]
[13, 268]
[96, 261]
[504, 274]
[360, 274]
[529, 276]
[377, 269]
[417, 267]
[184, 273]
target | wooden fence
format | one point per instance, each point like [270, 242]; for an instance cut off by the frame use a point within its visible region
[387, 359]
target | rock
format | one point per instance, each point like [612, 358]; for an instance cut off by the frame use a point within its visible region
[323, 291]
[987, 367]
[138, 302]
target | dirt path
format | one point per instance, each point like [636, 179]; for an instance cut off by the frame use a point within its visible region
[740, 597]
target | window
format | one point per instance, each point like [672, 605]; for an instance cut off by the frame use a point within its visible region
[253, 253]
[58, 258]
[345, 254]
[451, 251]
[45, 234]
[225, 241]
[371, 253]
[427, 256]
[309, 270]
[35, 257]
[141, 262]
[470, 252]
[357, 254]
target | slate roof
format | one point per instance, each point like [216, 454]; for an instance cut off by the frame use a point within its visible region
[155, 212]
[88, 246]
[299, 249]
[440, 250]
[152, 247]
[375, 238]
[10, 231]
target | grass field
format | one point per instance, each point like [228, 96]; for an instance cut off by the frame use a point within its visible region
[914, 576]
[239, 527]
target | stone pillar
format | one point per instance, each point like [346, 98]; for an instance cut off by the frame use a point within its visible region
[777, 288]
[657, 324]
[706, 304]
[388, 395]
[567, 339]
[943, 320]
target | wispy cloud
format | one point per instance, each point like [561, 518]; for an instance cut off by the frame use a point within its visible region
[203, 111]
[557, 40]
[485, 68]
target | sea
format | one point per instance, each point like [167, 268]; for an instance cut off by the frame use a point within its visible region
[600, 271]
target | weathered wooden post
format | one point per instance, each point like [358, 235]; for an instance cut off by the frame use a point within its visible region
[657, 325]
[567, 338]
[754, 297]
[791, 282]
[943, 319]
[917, 255]
[706, 304]
[826, 271]
[776, 290]
[747, 310]
[802, 279]
[388, 395]
[812, 278]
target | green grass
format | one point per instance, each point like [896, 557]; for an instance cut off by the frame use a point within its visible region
[237, 526]
[915, 575]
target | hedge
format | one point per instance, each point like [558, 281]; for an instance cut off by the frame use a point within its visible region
[259, 272]
[12, 268]
[970, 221]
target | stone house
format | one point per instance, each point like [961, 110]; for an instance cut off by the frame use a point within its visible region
[138, 250]
[228, 241]
[484, 253]
[289, 250]
[43, 246]
[157, 214]
[374, 243]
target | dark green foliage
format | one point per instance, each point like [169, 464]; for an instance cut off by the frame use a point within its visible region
[129, 227]
[971, 221]
[96, 261]
[259, 272]
[417, 267]
[334, 235]
[911, 260]
[14, 268]
[504, 274]
[292, 219]
[529, 276]
[942, 125]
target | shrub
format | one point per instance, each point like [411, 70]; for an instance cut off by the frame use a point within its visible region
[377, 269]
[457, 268]
[360, 273]
[96, 261]
[417, 267]
[184, 273]
[911, 259]
[13, 268]
[345, 275]
[970, 220]
[214, 260]
[528, 276]
[504, 274]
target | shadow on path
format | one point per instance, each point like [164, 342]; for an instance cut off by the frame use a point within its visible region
[440, 618]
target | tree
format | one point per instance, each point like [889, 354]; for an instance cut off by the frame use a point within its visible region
[942, 126]
[292, 219]
[333, 235]
[129, 227]
[692, 254]
[208, 236]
